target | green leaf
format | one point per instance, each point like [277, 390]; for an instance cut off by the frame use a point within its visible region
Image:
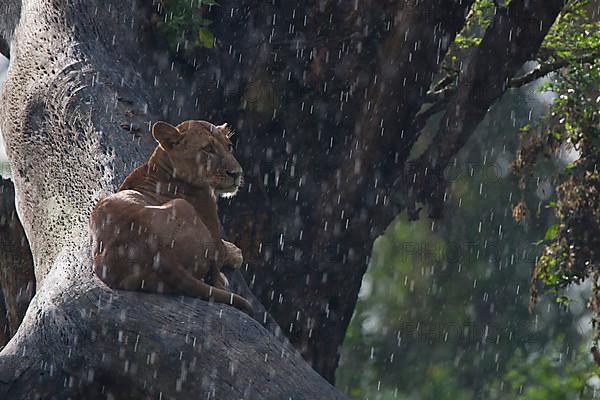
[552, 232]
[562, 300]
[556, 135]
[206, 38]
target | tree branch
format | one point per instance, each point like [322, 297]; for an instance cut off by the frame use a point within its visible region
[442, 91]
[384, 136]
[545, 68]
[421, 119]
[443, 86]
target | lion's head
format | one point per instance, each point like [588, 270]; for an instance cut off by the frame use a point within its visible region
[201, 154]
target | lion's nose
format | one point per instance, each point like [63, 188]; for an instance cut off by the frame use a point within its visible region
[234, 174]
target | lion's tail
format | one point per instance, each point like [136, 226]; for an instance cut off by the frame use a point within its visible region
[210, 292]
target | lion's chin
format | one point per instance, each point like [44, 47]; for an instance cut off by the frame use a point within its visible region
[227, 193]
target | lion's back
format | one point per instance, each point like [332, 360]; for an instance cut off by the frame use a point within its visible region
[119, 237]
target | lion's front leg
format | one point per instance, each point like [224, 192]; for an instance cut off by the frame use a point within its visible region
[228, 255]
[233, 255]
[220, 281]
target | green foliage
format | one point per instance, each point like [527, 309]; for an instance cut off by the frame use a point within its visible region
[551, 232]
[573, 35]
[551, 375]
[575, 109]
[185, 25]
[478, 19]
[573, 122]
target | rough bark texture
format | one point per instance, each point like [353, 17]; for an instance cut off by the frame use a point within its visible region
[17, 282]
[74, 83]
[325, 97]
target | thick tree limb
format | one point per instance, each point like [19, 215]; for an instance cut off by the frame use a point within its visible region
[422, 117]
[544, 69]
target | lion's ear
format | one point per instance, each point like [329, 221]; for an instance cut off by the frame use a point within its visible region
[166, 135]
[225, 130]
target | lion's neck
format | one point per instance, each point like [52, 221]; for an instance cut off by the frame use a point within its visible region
[155, 180]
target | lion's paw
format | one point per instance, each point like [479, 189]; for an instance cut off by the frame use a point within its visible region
[233, 256]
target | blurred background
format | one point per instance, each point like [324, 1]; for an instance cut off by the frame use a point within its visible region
[443, 308]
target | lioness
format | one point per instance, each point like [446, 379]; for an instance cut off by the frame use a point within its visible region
[160, 231]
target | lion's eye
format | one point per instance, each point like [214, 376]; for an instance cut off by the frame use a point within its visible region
[230, 147]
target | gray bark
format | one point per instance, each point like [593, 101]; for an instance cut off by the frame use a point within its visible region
[74, 112]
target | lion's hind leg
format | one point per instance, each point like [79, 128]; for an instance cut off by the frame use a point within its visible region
[181, 281]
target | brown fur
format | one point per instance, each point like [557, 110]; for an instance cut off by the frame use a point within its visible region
[160, 231]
